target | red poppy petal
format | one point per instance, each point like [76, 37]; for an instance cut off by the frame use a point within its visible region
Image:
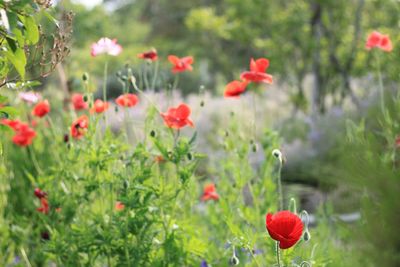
[173, 59]
[187, 60]
[262, 64]
[183, 111]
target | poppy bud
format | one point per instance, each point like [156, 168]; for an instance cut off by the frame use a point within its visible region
[305, 264]
[306, 236]
[39, 193]
[116, 108]
[202, 103]
[277, 154]
[153, 133]
[85, 98]
[66, 138]
[234, 260]
[254, 148]
[85, 77]
[45, 235]
[126, 184]
[189, 156]
[251, 141]
[170, 154]
[226, 133]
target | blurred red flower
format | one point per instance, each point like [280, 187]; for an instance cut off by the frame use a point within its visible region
[209, 193]
[127, 100]
[257, 71]
[181, 64]
[39, 193]
[44, 208]
[378, 40]
[78, 102]
[151, 55]
[24, 135]
[119, 206]
[284, 227]
[177, 117]
[41, 109]
[79, 127]
[99, 106]
[235, 88]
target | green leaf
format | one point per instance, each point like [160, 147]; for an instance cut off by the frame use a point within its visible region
[32, 30]
[9, 111]
[18, 59]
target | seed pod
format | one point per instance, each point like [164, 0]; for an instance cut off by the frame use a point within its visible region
[85, 77]
[153, 133]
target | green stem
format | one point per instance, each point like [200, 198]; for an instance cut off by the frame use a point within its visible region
[253, 256]
[145, 96]
[280, 193]
[382, 96]
[145, 78]
[278, 255]
[105, 90]
[153, 83]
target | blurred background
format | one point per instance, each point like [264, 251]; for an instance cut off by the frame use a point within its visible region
[324, 100]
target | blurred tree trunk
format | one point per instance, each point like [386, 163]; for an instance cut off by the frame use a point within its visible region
[316, 32]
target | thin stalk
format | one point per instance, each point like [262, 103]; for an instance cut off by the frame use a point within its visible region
[153, 83]
[145, 78]
[253, 256]
[381, 92]
[278, 254]
[105, 87]
[145, 96]
[280, 193]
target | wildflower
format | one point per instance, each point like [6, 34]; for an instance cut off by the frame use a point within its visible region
[151, 55]
[378, 40]
[24, 135]
[106, 46]
[203, 264]
[99, 106]
[127, 100]
[29, 97]
[39, 193]
[159, 159]
[119, 206]
[78, 102]
[257, 71]
[79, 127]
[209, 193]
[44, 208]
[181, 64]
[177, 117]
[41, 109]
[235, 88]
[284, 227]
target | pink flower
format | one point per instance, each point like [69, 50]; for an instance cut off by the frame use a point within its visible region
[378, 40]
[29, 97]
[106, 46]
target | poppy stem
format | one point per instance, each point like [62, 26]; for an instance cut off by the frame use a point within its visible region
[280, 193]
[145, 76]
[153, 83]
[382, 96]
[278, 254]
[105, 87]
[145, 96]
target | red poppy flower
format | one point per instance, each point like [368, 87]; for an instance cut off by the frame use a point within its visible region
[119, 206]
[44, 208]
[39, 193]
[235, 88]
[127, 100]
[210, 193]
[257, 71]
[397, 141]
[159, 159]
[41, 109]
[99, 106]
[284, 227]
[177, 117]
[78, 102]
[181, 64]
[79, 127]
[24, 135]
[378, 40]
[13, 124]
[151, 55]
